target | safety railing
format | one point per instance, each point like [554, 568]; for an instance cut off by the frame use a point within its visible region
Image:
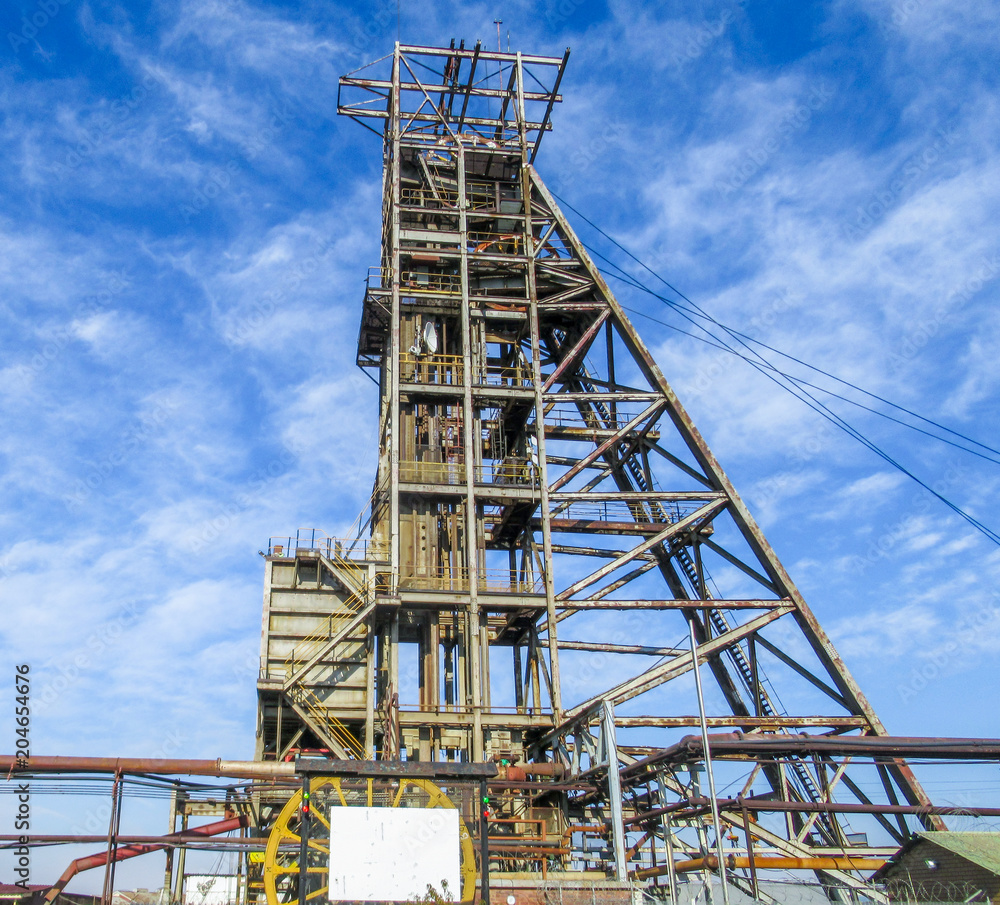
[573, 417]
[496, 581]
[509, 471]
[425, 196]
[441, 370]
[622, 511]
[449, 370]
[333, 548]
[379, 278]
[416, 281]
[483, 195]
[480, 195]
[502, 581]
[415, 472]
[504, 375]
[467, 708]
[327, 722]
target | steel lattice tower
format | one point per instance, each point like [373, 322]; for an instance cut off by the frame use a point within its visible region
[545, 515]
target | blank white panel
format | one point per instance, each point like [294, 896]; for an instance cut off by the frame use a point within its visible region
[392, 854]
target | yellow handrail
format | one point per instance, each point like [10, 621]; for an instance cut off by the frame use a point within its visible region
[338, 731]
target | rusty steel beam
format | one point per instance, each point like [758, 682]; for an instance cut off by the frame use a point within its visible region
[742, 722]
[699, 805]
[612, 604]
[764, 862]
[751, 746]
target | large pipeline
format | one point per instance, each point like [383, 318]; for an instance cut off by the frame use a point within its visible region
[240, 769]
[765, 862]
[247, 769]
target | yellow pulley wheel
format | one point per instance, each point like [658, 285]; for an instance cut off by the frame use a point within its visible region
[326, 794]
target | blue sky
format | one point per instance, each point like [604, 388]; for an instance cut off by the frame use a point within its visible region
[186, 225]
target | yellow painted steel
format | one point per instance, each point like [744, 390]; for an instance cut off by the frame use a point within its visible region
[326, 793]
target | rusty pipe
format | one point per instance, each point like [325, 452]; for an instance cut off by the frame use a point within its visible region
[243, 769]
[133, 851]
[8, 840]
[520, 772]
[699, 803]
[766, 862]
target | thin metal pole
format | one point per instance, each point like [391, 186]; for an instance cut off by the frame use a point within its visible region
[708, 764]
[668, 838]
[753, 861]
[105, 893]
[484, 845]
[114, 847]
[614, 790]
[181, 860]
[304, 817]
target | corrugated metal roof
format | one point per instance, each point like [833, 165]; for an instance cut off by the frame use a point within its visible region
[982, 849]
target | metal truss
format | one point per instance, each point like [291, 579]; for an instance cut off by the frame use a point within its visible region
[543, 500]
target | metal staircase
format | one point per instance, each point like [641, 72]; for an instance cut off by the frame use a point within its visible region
[313, 651]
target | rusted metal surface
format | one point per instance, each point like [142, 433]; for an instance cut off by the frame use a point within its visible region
[189, 838]
[395, 768]
[751, 745]
[765, 805]
[711, 862]
[134, 850]
[156, 766]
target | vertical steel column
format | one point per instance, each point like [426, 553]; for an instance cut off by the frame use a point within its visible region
[708, 765]
[370, 690]
[241, 860]
[168, 873]
[113, 825]
[484, 845]
[750, 854]
[543, 472]
[392, 358]
[614, 789]
[470, 441]
[668, 839]
[304, 821]
[181, 859]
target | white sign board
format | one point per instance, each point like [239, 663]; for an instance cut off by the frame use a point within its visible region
[393, 854]
[209, 889]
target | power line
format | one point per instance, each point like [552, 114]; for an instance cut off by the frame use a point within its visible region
[699, 312]
[710, 340]
[792, 386]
